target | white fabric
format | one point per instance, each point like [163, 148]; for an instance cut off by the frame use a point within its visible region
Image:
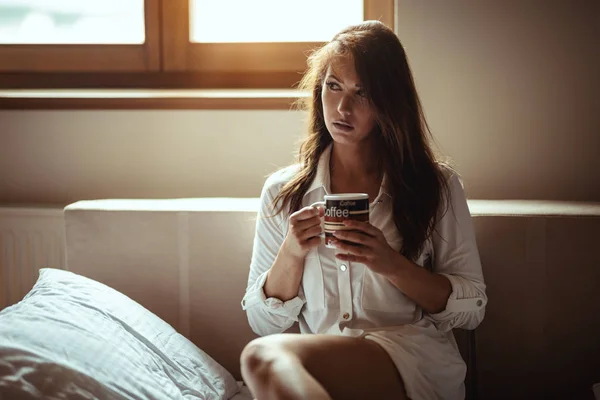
[244, 393]
[375, 307]
[72, 337]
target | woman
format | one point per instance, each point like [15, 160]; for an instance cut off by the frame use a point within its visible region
[381, 311]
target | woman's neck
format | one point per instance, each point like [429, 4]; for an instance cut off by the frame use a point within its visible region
[354, 171]
[354, 162]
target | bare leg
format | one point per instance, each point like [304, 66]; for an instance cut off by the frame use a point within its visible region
[293, 366]
[279, 375]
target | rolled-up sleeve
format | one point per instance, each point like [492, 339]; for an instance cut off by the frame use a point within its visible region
[456, 256]
[268, 315]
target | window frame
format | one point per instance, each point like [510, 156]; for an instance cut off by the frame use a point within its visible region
[271, 65]
[166, 66]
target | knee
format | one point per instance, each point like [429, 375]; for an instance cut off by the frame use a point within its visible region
[257, 357]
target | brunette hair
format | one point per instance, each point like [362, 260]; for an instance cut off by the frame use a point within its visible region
[414, 178]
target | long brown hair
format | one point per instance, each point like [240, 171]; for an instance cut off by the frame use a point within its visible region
[414, 178]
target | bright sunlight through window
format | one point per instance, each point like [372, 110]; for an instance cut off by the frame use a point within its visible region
[72, 21]
[271, 20]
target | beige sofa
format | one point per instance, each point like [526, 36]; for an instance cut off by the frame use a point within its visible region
[187, 261]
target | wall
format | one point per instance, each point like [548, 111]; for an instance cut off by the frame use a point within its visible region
[510, 90]
[64, 156]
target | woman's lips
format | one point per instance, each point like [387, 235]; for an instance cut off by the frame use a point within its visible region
[344, 127]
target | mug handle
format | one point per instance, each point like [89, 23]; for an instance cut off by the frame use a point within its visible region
[315, 204]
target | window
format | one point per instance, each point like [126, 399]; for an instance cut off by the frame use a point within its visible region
[79, 36]
[169, 44]
[324, 18]
[90, 22]
[263, 43]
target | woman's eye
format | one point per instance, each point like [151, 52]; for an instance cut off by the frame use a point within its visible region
[361, 93]
[333, 86]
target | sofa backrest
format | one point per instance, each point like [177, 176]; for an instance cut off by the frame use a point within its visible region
[187, 261]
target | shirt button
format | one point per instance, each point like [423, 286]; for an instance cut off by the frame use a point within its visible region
[346, 316]
[479, 303]
[343, 267]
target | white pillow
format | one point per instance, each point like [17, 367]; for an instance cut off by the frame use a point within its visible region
[73, 337]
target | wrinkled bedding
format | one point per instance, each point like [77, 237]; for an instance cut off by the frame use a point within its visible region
[72, 337]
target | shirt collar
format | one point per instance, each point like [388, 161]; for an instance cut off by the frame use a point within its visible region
[323, 178]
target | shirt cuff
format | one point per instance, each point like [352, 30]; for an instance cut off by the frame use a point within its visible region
[256, 296]
[465, 296]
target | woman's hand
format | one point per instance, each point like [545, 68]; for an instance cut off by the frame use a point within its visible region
[304, 231]
[368, 247]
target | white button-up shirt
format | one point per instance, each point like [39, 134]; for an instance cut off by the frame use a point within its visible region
[336, 295]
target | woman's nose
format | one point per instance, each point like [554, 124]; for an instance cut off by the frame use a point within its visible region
[345, 106]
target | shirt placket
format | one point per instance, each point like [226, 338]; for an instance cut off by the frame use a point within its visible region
[345, 290]
[344, 280]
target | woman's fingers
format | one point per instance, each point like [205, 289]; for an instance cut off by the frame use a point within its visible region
[303, 213]
[305, 224]
[354, 237]
[311, 232]
[305, 228]
[351, 258]
[305, 219]
[352, 249]
[363, 227]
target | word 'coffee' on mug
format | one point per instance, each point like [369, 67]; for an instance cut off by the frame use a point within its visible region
[341, 207]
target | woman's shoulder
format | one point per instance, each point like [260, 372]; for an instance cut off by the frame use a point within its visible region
[280, 178]
[454, 189]
[447, 170]
[450, 175]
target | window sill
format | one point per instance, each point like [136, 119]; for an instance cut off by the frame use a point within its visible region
[152, 99]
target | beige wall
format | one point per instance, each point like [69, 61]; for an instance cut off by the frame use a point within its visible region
[62, 157]
[511, 91]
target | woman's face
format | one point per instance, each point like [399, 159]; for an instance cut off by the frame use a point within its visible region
[348, 115]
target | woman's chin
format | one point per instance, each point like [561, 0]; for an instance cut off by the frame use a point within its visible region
[346, 138]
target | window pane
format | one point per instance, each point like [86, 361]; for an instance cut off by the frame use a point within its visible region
[72, 22]
[213, 21]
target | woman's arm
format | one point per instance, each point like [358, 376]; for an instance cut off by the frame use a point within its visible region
[453, 294]
[273, 298]
[429, 290]
[284, 277]
[455, 256]
[269, 314]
